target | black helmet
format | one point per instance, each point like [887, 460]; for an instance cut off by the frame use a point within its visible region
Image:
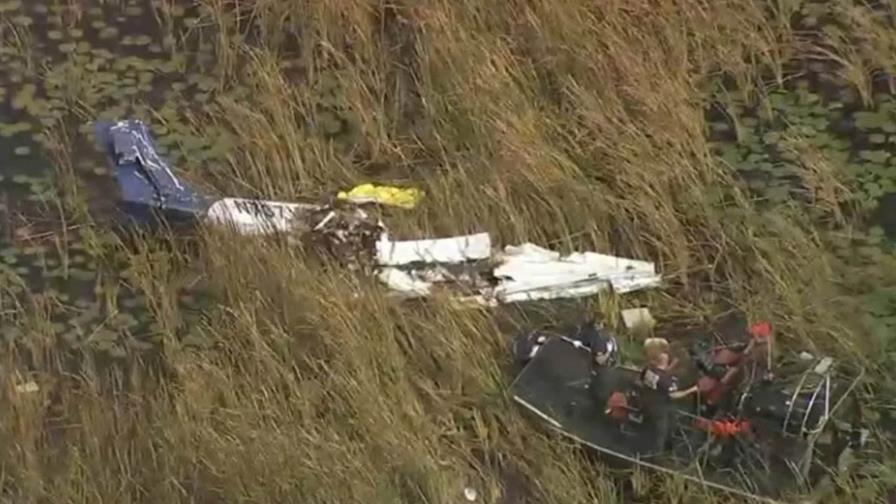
[603, 345]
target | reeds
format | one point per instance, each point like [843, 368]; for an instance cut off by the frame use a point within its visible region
[571, 123]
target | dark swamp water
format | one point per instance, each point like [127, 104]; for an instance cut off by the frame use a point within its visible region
[63, 67]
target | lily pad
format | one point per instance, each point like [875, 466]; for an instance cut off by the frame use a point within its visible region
[22, 21]
[873, 190]
[840, 144]
[875, 156]
[8, 130]
[771, 137]
[869, 120]
[108, 32]
[777, 194]
[10, 6]
[24, 98]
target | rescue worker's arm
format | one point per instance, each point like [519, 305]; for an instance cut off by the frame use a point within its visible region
[729, 374]
[678, 394]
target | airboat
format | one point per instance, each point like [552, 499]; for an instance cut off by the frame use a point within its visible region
[766, 436]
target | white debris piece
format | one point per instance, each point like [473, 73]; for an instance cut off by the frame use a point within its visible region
[404, 282]
[456, 249]
[253, 217]
[471, 494]
[525, 272]
[529, 272]
[637, 317]
[823, 366]
[28, 387]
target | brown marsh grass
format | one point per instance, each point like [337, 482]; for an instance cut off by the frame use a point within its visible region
[569, 123]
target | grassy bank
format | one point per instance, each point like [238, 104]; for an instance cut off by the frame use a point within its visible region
[569, 123]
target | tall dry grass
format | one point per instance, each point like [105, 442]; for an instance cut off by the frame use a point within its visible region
[570, 123]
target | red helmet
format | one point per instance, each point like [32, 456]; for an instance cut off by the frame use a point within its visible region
[761, 330]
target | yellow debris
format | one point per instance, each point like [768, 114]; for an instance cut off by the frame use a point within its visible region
[384, 195]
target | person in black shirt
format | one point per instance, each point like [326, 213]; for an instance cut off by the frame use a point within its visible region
[662, 386]
[604, 351]
[657, 375]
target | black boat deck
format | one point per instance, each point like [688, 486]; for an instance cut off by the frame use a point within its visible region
[554, 385]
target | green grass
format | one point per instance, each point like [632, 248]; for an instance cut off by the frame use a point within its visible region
[575, 124]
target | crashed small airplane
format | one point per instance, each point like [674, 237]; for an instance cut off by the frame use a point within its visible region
[151, 194]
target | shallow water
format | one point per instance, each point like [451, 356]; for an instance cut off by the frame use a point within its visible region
[64, 67]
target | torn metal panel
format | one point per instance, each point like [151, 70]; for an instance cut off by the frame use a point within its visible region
[456, 249]
[529, 272]
[523, 273]
[456, 280]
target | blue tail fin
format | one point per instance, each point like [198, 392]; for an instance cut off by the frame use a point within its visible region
[146, 180]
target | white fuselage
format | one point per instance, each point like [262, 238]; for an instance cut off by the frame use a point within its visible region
[252, 217]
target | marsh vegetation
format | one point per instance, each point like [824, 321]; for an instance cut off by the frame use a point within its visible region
[749, 148]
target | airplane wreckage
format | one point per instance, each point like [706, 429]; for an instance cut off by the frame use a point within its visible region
[745, 426]
[151, 194]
